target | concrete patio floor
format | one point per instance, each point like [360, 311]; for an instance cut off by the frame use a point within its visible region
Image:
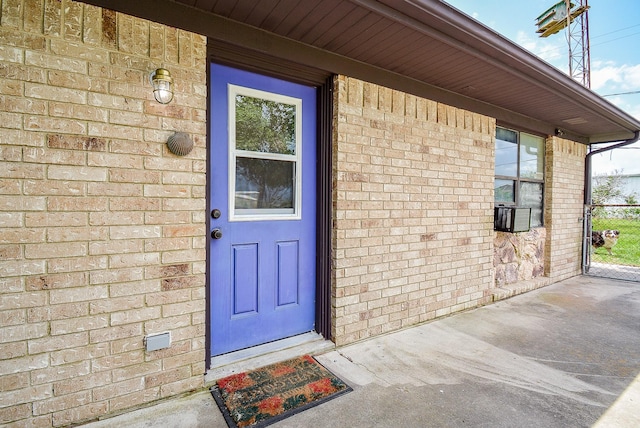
[566, 355]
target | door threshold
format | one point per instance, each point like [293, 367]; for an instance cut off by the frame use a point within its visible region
[269, 353]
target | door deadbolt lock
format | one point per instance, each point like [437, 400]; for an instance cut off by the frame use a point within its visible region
[216, 213]
[216, 233]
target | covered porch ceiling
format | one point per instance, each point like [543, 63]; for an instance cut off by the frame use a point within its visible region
[424, 47]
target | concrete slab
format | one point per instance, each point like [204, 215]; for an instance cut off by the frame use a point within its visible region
[567, 355]
[625, 412]
[197, 410]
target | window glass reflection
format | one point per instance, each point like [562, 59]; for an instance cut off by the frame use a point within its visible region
[504, 191]
[506, 152]
[531, 196]
[263, 183]
[531, 157]
[265, 126]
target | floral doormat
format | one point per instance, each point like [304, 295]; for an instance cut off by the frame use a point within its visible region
[266, 395]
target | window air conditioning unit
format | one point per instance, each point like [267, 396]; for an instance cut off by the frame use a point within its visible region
[511, 219]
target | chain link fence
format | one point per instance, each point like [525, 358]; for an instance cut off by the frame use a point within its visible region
[612, 241]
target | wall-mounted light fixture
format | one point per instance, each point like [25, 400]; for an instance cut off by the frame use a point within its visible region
[162, 85]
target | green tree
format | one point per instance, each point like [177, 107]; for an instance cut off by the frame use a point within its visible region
[265, 126]
[609, 189]
[633, 211]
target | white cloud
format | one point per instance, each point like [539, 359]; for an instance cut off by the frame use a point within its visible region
[633, 110]
[608, 78]
[615, 77]
[628, 103]
[623, 161]
[552, 50]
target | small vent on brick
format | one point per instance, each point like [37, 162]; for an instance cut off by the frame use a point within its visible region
[158, 341]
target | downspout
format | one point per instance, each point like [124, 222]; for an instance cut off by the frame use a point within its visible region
[587, 164]
[588, 200]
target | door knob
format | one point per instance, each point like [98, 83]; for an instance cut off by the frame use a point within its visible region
[216, 233]
[215, 213]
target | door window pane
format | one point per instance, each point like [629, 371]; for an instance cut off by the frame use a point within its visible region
[265, 126]
[265, 157]
[264, 184]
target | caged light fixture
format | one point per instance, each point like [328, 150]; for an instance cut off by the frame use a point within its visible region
[162, 85]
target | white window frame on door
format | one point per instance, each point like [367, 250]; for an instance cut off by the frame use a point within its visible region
[264, 213]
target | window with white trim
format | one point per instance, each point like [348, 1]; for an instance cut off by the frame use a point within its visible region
[265, 155]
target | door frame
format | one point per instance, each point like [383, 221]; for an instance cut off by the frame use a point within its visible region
[324, 212]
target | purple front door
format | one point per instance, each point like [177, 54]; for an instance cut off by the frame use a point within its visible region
[262, 204]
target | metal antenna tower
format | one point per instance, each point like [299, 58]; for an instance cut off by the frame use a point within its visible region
[575, 18]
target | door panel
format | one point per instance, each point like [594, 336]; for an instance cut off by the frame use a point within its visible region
[263, 172]
[245, 278]
[287, 273]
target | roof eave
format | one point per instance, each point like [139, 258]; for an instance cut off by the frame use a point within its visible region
[483, 41]
[445, 23]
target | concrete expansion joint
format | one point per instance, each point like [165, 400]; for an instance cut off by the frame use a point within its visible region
[344, 356]
[379, 379]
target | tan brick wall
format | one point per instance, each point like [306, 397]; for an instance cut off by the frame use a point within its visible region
[102, 231]
[413, 210]
[564, 204]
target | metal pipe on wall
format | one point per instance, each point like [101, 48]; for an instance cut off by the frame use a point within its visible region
[587, 164]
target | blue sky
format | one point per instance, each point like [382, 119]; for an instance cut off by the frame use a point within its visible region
[614, 29]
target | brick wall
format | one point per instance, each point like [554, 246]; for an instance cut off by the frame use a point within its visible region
[413, 210]
[102, 230]
[564, 205]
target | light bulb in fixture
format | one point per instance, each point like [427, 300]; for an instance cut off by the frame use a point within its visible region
[162, 85]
